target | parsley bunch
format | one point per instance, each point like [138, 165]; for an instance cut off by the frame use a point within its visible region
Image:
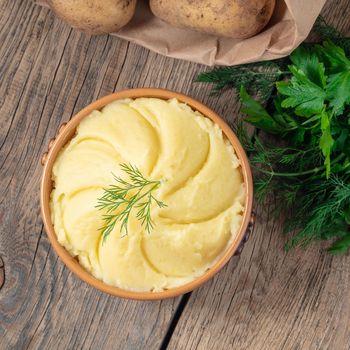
[300, 149]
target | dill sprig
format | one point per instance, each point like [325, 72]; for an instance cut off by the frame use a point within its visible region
[327, 32]
[321, 213]
[120, 199]
[256, 78]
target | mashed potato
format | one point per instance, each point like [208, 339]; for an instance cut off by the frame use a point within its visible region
[201, 184]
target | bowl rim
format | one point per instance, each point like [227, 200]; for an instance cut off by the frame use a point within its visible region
[69, 131]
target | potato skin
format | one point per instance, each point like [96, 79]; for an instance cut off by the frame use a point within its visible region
[95, 16]
[231, 18]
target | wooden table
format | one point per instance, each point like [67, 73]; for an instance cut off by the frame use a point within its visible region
[266, 299]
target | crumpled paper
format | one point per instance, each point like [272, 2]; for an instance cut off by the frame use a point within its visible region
[289, 26]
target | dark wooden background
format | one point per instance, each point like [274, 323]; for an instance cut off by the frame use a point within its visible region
[266, 299]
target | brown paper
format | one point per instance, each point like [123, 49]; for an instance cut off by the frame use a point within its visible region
[290, 25]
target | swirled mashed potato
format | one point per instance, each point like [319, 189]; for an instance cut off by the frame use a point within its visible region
[201, 184]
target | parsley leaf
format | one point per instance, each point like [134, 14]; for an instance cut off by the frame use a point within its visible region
[305, 96]
[334, 57]
[308, 62]
[257, 115]
[338, 82]
[338, 90]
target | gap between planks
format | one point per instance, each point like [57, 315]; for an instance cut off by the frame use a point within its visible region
[174, 321]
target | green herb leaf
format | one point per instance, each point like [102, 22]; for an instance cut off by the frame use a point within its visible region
[257, 115]
[341, 246]
[305, 96]
[334, 57]
[338, 90]
[326, 141]
[282, 117]
[306, 60]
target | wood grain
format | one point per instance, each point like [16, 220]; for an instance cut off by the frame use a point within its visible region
[272, 300]
[49, 72]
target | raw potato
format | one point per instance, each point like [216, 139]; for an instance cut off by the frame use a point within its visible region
[95, 16]
[231, 18]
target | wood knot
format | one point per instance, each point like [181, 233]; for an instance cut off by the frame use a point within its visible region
[2, 272]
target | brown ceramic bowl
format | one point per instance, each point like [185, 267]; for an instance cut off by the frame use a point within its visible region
[67, 131]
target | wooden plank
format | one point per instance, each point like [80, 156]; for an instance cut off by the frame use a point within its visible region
[271, 299]
[48, 72]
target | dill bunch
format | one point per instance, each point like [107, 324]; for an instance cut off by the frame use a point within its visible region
[315, 208]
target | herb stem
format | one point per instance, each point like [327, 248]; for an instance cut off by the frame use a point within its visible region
[250, 72]
[137, 198]
[302, 173]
